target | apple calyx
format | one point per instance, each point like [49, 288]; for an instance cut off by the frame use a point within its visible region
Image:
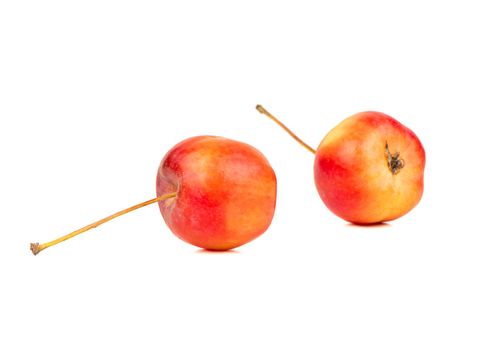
[395, 163]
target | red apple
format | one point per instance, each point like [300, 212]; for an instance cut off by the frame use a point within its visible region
[213, 192]
[370, 168]
[225, 192]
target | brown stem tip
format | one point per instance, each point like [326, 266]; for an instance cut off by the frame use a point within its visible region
[35, 248]
[260, 109]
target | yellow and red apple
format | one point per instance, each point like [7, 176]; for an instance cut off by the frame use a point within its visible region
[213, 192]
[225, 192]
[370, 169]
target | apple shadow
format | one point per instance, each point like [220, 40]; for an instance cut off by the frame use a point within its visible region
[216, 252]
[380, 225]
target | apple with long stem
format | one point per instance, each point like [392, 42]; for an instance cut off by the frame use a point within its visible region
[368, 169]
[213, 192]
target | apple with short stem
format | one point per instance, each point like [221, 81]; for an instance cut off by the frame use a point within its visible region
[368, 169]
[213, 192]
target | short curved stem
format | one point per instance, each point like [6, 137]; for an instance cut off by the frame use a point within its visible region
[36, 248]
[289, 131]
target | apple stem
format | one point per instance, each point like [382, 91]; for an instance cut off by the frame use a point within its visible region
[36, 248]
[289, 131]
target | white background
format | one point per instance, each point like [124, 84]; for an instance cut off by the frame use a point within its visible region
[92, 95]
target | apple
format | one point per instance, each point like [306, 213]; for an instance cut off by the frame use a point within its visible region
[213, 192]
[226, 192]
[368, 169]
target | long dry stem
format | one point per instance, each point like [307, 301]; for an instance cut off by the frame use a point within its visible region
[289, 131]
[36, 248]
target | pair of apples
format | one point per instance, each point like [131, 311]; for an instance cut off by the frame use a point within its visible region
[218, 194]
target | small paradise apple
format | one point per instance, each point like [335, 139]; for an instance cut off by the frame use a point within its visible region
[369, 168]
[213, 192]
[225, 192]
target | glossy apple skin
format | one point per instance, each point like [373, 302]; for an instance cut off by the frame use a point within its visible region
[226, 192]
[351, 169]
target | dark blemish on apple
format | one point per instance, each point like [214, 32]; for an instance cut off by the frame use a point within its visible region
[395, 164]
